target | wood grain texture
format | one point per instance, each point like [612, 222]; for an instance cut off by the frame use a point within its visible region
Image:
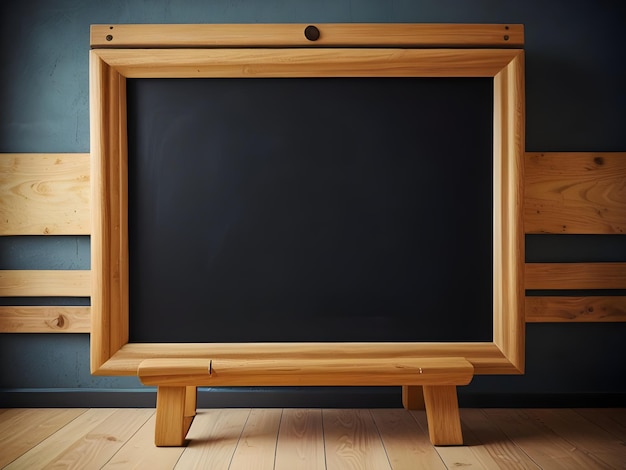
[256, 449]
[575, 275]
[170, 428]
[508, 224]
[300, 443]
[585, 436]
[582, 192]
[214, 436]
[495, 438]
[607, 419]
[454, 456]
[94, 449]
[23, 429]
[45, 283]
[191, 400]
[45, 194]
[305, 372]
[139, 452]
[442, 412]
[263, 63]
[490, 445]
[406, 444]
[109, 195]
[45, 319]
[352, 441]
[575, 309]
[543, 445]
[334, 34]
[54, 448]
[413, 397]
[99, 350]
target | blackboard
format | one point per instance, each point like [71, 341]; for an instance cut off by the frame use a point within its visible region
[315, 209]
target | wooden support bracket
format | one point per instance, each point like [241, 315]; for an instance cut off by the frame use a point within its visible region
[428, 383]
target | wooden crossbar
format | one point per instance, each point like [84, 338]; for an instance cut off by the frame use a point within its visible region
[293, 35]
[294, 372]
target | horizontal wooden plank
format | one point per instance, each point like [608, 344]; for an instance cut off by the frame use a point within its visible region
[36, 319]
[575, 309]
[575, 276]
[45, 194]
[305, 372]
[286, 35]
[582, 192]
[45, 283]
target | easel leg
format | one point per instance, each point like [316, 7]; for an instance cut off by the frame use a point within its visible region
[442, 413]
[412, 397]
[191, 397]
[171, 427]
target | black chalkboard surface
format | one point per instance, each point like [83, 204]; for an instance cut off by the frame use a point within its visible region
[310, 209]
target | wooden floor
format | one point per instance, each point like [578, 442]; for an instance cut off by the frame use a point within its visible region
[292, 439]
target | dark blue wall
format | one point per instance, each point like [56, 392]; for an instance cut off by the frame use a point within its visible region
[576, 101]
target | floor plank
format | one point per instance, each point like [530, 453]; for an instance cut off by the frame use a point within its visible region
[589, 438]
[213, 438]
[542, 444]
[23, 429]
[618, 414]
[352, 441]
[96, 447]
[300, 441]
[256, 449]
[54, 446]
[489, 443]
[406, 443]
[604, 417]
[139, 452]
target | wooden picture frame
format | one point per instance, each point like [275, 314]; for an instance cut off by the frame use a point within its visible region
[340, 50]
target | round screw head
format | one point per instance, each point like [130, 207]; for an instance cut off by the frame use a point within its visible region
[311, 33]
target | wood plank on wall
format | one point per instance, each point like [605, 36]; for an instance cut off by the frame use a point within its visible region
[575, 192]
[575, 276]
[43, 319]
[575, 309]
[45, 283]
[45, 194]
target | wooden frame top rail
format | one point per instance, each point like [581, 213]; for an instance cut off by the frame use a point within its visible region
[307, 35]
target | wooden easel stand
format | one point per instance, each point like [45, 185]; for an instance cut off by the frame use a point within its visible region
[427, 383]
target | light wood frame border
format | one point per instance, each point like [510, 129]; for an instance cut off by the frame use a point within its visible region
[112, 354]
